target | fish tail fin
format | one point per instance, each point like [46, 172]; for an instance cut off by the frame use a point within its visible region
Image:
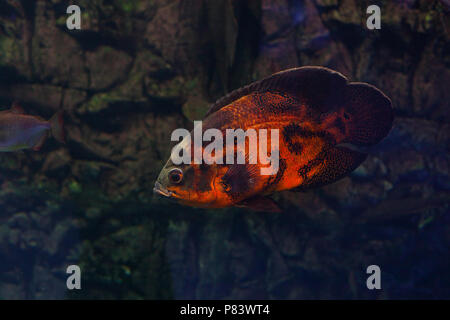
[367, 114]
[57, 127]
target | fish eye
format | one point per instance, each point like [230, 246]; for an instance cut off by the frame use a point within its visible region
[175, 175]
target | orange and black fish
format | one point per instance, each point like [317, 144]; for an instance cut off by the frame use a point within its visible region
[20, 131]
[322, 119]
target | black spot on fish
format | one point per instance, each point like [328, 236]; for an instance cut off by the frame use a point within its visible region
[289, 132]
[205, 177]
[339, 162]
[303, 171]
[293, 130]
[273, 181]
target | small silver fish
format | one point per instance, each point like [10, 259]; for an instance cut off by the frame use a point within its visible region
[20, 131]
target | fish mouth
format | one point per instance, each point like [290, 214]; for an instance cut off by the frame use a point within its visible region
[159, 189]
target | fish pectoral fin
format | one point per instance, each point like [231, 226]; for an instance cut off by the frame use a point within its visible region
[241, 178]
[16, 108]
[259, 203]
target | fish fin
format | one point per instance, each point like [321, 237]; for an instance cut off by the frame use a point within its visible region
[259, 203]
[16, 108]
[240, 179]
[57, 126]
[336, 163]
[367, 114]
[40, 142]
[319, 87]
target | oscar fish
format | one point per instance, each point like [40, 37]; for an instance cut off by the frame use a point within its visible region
[20, 131]
[323, 121]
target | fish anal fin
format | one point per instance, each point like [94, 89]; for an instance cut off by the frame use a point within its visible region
[16, 108]
[260, 203]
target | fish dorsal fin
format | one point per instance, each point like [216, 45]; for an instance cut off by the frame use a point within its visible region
[16, 108]
[320, 87]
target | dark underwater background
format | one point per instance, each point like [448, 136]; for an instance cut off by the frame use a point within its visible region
[136, 71]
